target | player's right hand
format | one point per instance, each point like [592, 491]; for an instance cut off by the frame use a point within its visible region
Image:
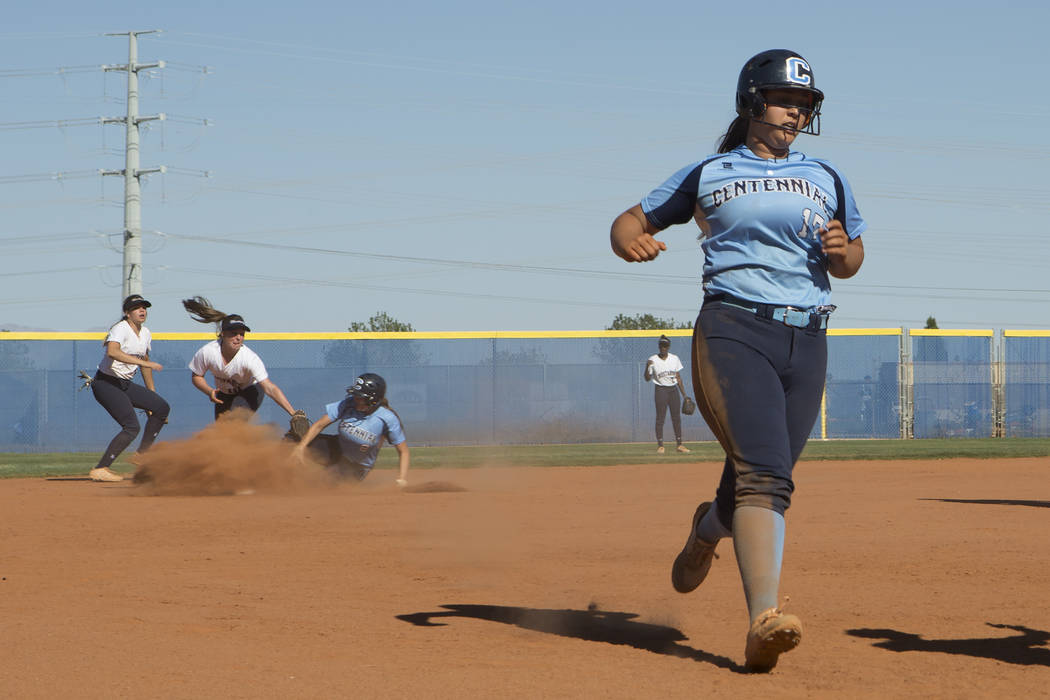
[153, 365]
[642, 249]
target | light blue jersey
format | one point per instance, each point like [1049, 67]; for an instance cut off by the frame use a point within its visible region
[760, 221]
[361, 434]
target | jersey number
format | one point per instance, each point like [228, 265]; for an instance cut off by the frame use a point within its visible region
[812, 222]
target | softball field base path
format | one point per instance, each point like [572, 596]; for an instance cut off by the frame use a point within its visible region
[912, 579]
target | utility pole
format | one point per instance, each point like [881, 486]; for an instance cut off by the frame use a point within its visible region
[132, 269]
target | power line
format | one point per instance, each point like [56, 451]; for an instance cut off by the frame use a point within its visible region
[50, 123]
[37, 72]
[662, 278]
[45, 177]
[473, 264]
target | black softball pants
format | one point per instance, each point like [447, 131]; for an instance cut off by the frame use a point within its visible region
[667, 398]
[120, 398]
[327, 450]
[758, 384]
[250, 398]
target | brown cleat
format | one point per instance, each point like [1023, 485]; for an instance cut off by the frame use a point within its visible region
[694, 561]
[772, 634]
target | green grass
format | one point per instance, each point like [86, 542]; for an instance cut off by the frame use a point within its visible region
[78, 463]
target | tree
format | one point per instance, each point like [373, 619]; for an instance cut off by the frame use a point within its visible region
[645, 322]
[362, 354]
[381, 322]
[619, 350]
[931, 349]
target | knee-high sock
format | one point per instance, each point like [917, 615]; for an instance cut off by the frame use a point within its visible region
[758, 540]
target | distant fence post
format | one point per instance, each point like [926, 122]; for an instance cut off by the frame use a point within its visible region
[907, 387]
[999, 390]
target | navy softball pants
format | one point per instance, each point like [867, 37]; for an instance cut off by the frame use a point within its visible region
[120, 398]
[758, 384]
[666, 397]
[250, 398]
[327, 450]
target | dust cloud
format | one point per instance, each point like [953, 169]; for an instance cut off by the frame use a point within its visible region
[231, 456]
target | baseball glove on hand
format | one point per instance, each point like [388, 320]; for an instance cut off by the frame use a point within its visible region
[87, 380]
[297, 427]
[688, 406]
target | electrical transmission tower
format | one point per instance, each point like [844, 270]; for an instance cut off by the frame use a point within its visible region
[132, 268]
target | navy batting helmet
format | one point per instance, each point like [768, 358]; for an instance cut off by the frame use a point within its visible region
[370, 387]
[776, 69]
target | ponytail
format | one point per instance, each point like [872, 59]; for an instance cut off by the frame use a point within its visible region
[201, 311]
[736, 135]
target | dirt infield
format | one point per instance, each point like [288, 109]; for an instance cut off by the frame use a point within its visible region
[912, 579]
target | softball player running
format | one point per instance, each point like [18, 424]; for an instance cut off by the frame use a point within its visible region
[240, 375]
[364, 419]
[775, 224]
[127, 348]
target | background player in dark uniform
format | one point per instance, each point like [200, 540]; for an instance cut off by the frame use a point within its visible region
[127, 349]
[775, 224]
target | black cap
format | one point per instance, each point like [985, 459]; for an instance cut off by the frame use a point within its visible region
[233, 322]
[133, 301]
[664, 340]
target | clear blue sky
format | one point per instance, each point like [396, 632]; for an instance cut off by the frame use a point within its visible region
[353, 145]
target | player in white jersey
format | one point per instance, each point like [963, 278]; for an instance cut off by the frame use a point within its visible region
[775, 225]
[240, 376]
[127, 349]
[664, 369]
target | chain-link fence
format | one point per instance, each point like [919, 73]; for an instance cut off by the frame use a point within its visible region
[521, 388]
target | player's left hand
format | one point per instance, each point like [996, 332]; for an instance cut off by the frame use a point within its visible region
[833, 239]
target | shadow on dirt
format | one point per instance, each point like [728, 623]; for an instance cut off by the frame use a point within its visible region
[992, 502]
[592, 625]
[1025, 649]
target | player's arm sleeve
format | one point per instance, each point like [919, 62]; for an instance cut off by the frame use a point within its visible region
[846, 210]
[855, 223]
[395, 434]
[674, 202]
[117, 334]
[257, 369]
[332, 411]
[197, 364]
